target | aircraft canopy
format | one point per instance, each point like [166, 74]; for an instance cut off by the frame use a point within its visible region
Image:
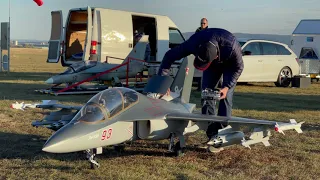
[107, 104]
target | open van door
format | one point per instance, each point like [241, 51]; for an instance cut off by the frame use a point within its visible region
[87, 45]
[56, 37]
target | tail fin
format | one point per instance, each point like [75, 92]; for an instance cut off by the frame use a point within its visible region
[182, 82]
[180, 85]
[139, 50]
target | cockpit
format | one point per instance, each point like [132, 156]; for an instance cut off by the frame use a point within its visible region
[107, 104]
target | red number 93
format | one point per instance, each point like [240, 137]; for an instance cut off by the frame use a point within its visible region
[106, 134]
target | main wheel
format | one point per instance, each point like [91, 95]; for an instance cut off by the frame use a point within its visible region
[284, 77]
[178, 150]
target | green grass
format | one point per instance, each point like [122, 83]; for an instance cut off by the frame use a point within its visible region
[293, 156]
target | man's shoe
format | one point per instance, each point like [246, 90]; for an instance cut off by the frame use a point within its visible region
[207, 144]
[211, 141]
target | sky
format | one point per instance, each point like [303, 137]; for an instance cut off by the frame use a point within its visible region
[29, 21]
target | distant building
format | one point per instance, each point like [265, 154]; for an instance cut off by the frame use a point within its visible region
[15, 43]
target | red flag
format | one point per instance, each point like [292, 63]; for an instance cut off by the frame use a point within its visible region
[39, 2]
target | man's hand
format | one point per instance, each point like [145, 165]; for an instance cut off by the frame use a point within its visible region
[223, 92]
[165, 72]
[168, 92]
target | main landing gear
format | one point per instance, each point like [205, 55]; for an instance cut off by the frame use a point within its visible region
[177, 148]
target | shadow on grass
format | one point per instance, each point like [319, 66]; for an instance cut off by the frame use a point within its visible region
[26, 92]
[26, 76]
[276, 102]
[310, 127]
[27, 146]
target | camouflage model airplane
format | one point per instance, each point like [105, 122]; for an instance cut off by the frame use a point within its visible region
[83, 70]
[119, 115]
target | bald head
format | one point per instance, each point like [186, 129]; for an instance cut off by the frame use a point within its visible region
[204, 23]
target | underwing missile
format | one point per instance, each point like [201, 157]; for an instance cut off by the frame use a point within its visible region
[258, 136]
[293, 125]
[247, 143]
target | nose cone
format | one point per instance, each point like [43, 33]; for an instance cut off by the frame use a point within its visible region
[49, 81]
[63, 78]
[70, 138]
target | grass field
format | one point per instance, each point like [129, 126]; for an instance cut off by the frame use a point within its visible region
[293, 156]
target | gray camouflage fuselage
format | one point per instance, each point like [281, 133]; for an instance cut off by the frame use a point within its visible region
[121, 73]
[78, 136]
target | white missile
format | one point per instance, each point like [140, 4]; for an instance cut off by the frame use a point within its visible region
[286, 126]
[257, 137]
[247, 143]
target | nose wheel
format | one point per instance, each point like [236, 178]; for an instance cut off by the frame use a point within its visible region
[92, 159]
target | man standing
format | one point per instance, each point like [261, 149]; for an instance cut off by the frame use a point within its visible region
[197, 74]
[203, 24]
[217, 53]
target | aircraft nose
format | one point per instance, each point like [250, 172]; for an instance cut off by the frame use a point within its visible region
[64, 78]
[51, 147]
[49, 81]
[56, 144]
[65, 140]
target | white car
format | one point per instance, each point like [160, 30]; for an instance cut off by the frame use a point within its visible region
[265, 61]
[268, 61]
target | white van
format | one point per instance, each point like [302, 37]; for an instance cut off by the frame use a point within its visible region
[107, 35]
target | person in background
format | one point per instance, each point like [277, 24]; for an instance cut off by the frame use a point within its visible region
[203, 25]
[137, 37]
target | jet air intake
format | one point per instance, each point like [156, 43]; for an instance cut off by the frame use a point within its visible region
[158, 129]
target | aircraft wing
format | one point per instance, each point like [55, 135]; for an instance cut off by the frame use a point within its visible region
[278, 126]
[58, 106]
[46, 104]
[202, 117]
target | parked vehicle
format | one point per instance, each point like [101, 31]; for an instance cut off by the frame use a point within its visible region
[266, 61]
[305, 42]
[107, 35]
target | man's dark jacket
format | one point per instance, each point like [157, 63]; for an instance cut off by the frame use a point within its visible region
[200, 29]
[230, 63]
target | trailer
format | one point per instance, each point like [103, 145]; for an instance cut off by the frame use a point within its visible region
[305, 43]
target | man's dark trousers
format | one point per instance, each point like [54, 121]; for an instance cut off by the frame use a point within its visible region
[210, 79]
